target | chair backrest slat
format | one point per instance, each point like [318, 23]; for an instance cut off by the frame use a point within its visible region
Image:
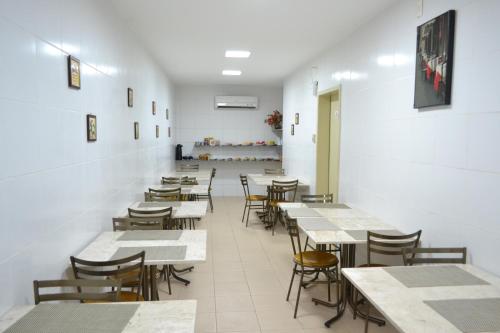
[410, 255]
[280, 189]
[244, 183]
[171, 194]
[190, 167]
[317, 198]
[114, 287]
[280, 172]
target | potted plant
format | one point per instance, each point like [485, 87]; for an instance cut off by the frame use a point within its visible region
[275, 119]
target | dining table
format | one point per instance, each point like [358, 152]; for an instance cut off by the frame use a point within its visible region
[174, 316]
[180, 209]
[444, 298]
[267, 180]
[339, 225]
[162, 247]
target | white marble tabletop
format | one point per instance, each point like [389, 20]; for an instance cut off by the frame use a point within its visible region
[200, 175]
[405, 308]
[344, 224]
[107, 243]
[187, 209]
[185, 189]
[161, 316]
[267, 180]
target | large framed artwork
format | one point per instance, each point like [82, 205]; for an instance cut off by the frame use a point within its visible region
[130, 97]
[434, 61]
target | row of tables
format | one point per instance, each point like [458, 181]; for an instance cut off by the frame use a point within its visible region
[417, 299]
[163, 247]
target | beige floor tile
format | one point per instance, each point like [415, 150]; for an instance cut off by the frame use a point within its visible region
[231, 288]
[235, 303]
[205, 323]
[237, 322]
[277, 320]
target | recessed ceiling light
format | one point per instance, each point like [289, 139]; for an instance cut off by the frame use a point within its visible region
[231, 72]
[237, 54]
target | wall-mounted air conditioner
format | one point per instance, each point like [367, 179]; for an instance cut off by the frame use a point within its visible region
[236, 102]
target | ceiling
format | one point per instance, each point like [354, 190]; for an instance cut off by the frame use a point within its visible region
[189, 37]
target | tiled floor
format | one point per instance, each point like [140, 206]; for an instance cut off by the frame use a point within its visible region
[242, 286]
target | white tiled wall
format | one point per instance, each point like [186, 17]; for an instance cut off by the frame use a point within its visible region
[57, 192]
[438, 170]
[196, 119]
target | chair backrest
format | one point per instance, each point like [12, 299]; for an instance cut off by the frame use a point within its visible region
[390, 245]
[280, 189]
[317, 198]
[212, 176]
[293, 232]
[244, 184]
[190, 167]
[139, 223]
[173, 194]
[111, 295]
[189, 181]
[280, 172]
[410, 255]
[128, 270]
[170, 180]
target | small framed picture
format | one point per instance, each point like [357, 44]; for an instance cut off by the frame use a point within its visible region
[157, 131]
[91, 128]
[136, 130]
[74, 77]
[130, 97]
[166, 113]
[154, 108]
[292, 131]
[296, 119]
[169, 132]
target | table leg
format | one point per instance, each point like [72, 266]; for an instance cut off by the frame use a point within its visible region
[153, 283]
[348, 260]
[145, 283]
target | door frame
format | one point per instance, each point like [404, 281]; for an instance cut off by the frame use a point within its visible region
[323, 139]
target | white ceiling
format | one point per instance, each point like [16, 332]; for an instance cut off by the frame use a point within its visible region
[189, 37]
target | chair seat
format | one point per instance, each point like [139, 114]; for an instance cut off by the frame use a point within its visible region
[256, 197]
[316, 259]
[125, 296]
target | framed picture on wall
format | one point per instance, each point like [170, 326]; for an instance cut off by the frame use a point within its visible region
[434, 61]
[296, 119]
[91, 127]
[166, 113]
[136, 130]
[154, 107]
[74, 76]
[130, 97]
[169, 132]
[157, 131]
[292, 130]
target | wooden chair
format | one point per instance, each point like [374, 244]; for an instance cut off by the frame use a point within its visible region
[138, 223]
[173, 194]
[280, 191]
[310, 262]
[209, 194]
[112, 296]
[190, 167]
[280, 172]
[410, 255]
[252, 201]
[129, 271]
[387, 245]
[170, 180]
[157, 219]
